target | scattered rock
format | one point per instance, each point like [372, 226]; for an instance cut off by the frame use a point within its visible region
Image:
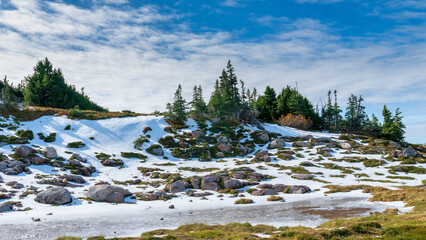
[222, 139]
[172, 206]
[303, 176]
[56, 195]
[106, 193]
[233, 184]
[73, 178]
[36, 160]
[262, 156]
[198, 134]
[220, 155]
[409, 152]
[196, 181]
[277, 143]
[156, 150]
[5, 207]
[345, 145]
[225, 147]
[50, 152]
[210, 182]
[298, 189]
[178, 186]
[23, 150]
[301, 144]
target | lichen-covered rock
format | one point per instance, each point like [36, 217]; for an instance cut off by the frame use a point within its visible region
[196, 182]
[36, 160]
[345, 145]
[298, 189]
[178, 186]
[222, 139]
[303, 176]
[73, 178]
[106, 193]
[5, 207]
[156, 150]
[198, 134]
[242, 150]
[301, 144]
[262, 156]
[277, 143]
[220, 155]
[50, 152]
[225, 147]
[210, 182]
[23, 150]
[233, 184]
[56, 195]
[408, 152]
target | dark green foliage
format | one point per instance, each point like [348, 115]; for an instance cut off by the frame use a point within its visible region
[76, 145]
[199, 107]
[133, 155]
[8, 94]
[47, 87]
[41, 136]
[50, 138]
[13, 139]
[139, 141]
[177, 110]
[28, 134]
[355, 114]
[167, 142]
[68, 127]
[266, 105]
[392, 128]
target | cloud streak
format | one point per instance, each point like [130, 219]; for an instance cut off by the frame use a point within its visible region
[126, 61]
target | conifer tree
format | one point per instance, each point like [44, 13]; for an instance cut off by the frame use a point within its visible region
[266, 104]
[177, 110]
[199, 107]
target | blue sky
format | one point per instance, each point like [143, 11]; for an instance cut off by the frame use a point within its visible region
[132, 54]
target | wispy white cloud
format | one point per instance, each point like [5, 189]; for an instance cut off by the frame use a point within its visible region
[320, 1]
[125, 61]
[231, 3]
[269, 20]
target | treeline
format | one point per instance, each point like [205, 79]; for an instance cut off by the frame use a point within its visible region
[230, 100]
[46, 87]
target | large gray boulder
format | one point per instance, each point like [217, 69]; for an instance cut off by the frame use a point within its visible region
[107, 193]
[198, 134]
[50, 152]
[301, 144]
[24, 151]
[262, 156]
[178, 186]
[73, 178]
[222, 139]
[263, 137]
[225, 147]
[56, 195]
[233, 184]
[299, 189]
[345, 145]
[277, 143]
[5, 207]
[210, 182]
[409, 152]
[303, 176]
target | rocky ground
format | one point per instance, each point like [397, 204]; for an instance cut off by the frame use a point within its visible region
[69, 169]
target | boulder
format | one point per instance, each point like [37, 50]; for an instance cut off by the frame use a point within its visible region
[222, 139]
[73, 178]
[263, 156]
[303, 176]
[196, 181]
[242, 150]
[299, 189]
[5, 207]
[210, 182]
[278, 187]
[36, 160]
[264, 137]
[262, 192]
[50, 152]
[345, 145]
[24, 151]
[115, 197]
[409, 152]
[225, 147]
[155, 150]
[301, 144]
[220, 155]
[106, 193]
[56, 195]
[257, 177]
[178, 186]
[153, 196]
[198, 134]
[394, 144]
[233, 184]
[277, 143]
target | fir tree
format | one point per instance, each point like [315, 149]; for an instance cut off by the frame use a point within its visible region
[199, 107]
[266, 104]
[177, 110]
[393, 127]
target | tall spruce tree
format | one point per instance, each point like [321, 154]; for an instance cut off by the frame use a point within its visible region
[177, 110]
[393, 127]
[266, 104]
[199, 107]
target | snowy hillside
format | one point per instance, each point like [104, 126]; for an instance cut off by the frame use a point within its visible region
[252, 166]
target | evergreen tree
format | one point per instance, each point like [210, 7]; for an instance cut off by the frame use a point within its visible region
[8, 97]
[177, 110]
[47, 87]
[355, 113]
[282, 101]
[199, 107]
[266, 104]
[393, 127]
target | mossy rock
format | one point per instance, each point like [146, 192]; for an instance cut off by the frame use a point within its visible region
[28, 134]
[133, 155]
[168, 142]
[50, 138]
[78, 144]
